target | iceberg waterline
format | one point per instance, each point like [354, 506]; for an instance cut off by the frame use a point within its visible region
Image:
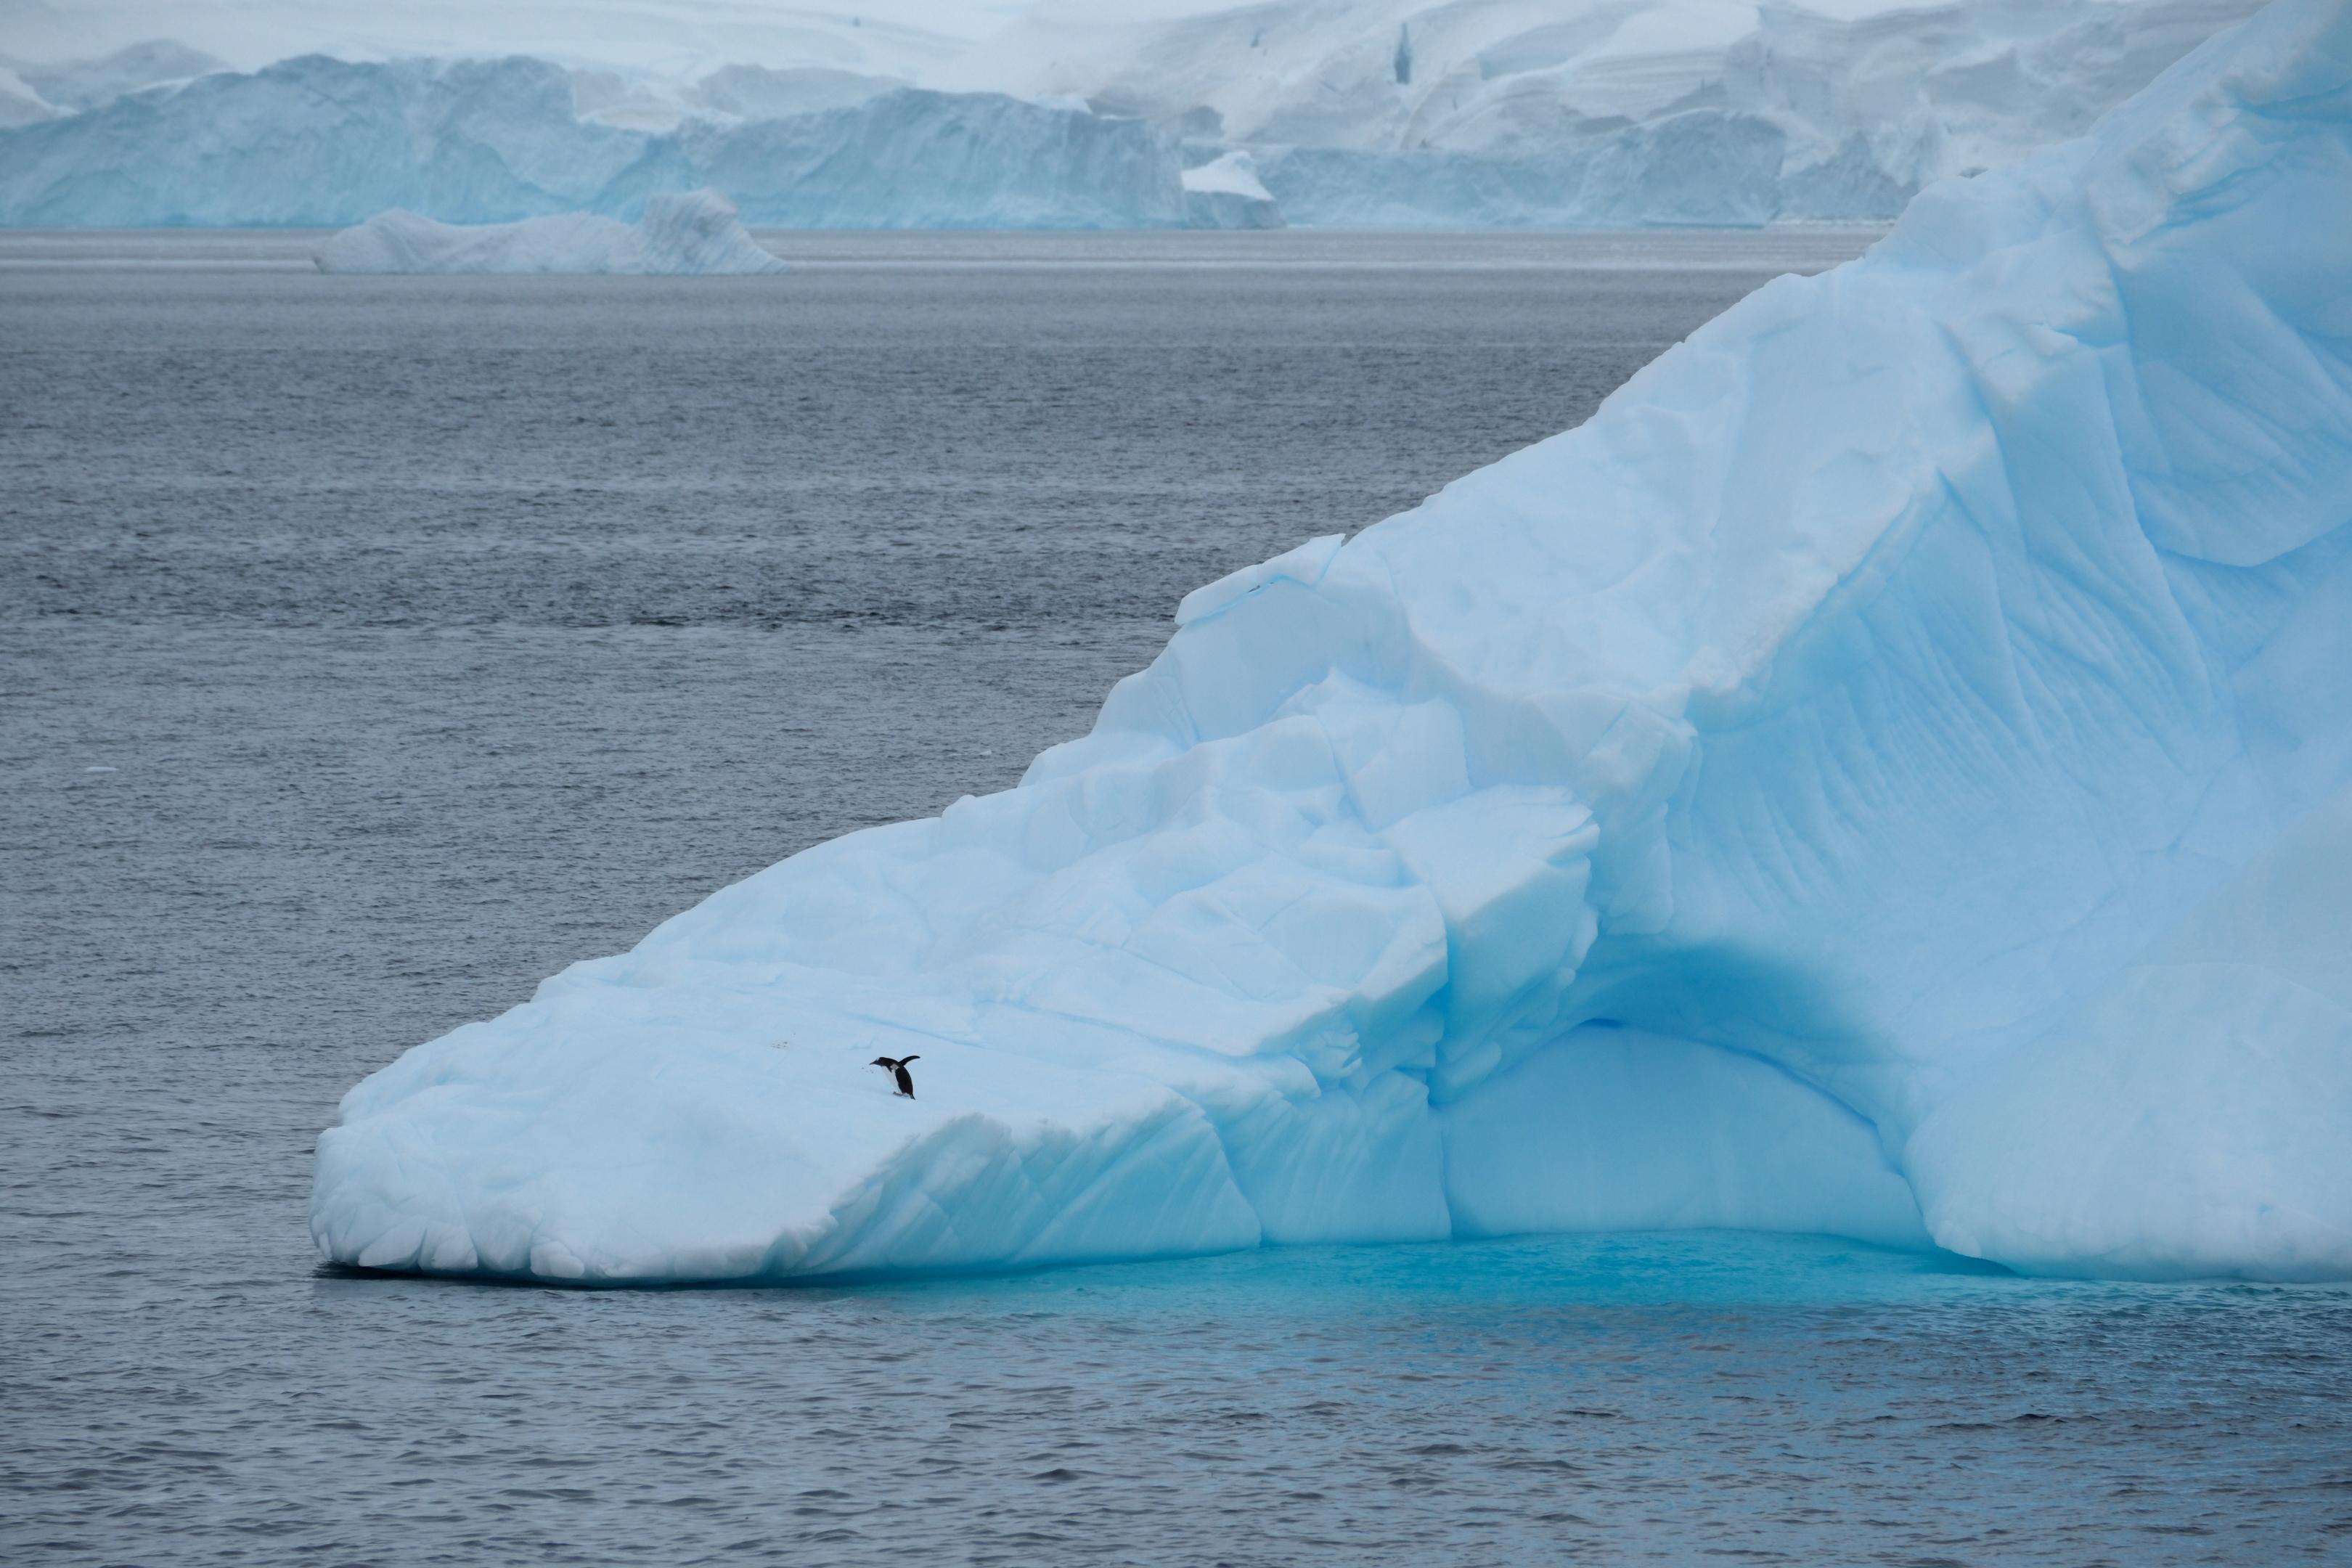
[1888, 773]
[694, 232]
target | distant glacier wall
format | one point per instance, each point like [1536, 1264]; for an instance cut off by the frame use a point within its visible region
[1888, 773]
[1591, 113]
[323, 142]
[911, 159]
[1703, 168]
[1605, 112]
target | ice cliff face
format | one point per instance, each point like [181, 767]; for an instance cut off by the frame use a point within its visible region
[326, 142]
[911, 159]
[1225, 193]
[1889, 773]
[1356, 112]
[1400, 113]
[694, 233]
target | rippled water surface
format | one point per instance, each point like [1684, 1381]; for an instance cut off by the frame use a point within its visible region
[370, 648]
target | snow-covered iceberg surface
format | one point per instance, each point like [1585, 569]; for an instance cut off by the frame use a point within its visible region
[1889, 773]
[695, 232]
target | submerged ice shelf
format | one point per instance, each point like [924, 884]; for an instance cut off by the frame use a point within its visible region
[1889, 773]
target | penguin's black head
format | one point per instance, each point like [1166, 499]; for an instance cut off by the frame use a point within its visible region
[881, 1062]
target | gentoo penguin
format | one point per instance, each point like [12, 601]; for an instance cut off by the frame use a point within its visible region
[898, 1071]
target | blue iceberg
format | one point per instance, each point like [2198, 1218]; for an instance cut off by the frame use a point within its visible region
[1889, 773]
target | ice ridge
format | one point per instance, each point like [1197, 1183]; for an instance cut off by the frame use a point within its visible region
[1889, 773]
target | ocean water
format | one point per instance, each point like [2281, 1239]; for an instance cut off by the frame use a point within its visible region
[371, 648]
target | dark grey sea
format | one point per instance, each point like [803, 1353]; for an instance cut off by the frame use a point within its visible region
[371, 648]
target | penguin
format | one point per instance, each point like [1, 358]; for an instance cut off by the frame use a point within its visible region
[898, 1071]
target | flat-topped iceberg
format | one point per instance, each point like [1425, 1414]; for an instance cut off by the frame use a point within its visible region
[1889, 773]
[695, 232]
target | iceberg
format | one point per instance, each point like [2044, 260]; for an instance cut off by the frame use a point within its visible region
[694, 233]
[1889, 773]
[1225, 193]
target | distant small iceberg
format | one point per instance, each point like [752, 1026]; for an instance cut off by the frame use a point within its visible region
[1227, 193]
[695, 232]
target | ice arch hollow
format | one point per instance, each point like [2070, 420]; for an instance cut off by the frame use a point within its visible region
[1890, 772]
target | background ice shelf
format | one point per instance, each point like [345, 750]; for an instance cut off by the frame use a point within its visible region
[1374, 112]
